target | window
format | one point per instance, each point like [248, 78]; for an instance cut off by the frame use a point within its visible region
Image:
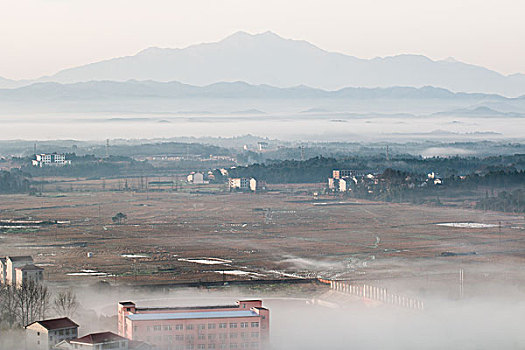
[233, 325]
[178, 327]
[233, 335]
[189, 347]
[255, 324]
[223, 336]
[223, 346]
[211, 346]
[233, 346]
[222, 325]
[211, 325]
[179, 337]
[245, 345]
[255, 335]
[38, 333]
[189, 327]
[244, 324]
[167, 328]
[211, 336]
[255, 345]
[202, 336]
[189, 337]
[61, 332]
[201, 346]
[201, 326]
[157, 328]
[244, 335]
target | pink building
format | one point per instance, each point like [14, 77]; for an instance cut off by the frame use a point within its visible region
[244, 325]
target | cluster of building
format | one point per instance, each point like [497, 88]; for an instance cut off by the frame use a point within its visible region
[243, 325]
[50, 159]
[347, 180]
[17, 270]
[62, 333]
[245, 184]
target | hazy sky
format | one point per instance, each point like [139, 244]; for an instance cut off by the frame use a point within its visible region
[40, 37]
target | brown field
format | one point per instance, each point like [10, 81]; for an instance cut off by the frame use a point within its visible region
[280, 234]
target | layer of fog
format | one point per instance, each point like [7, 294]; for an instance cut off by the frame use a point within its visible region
[298, 128]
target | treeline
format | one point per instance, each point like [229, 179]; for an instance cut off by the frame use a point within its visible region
[164, 148]
[91, 166]
[318, 169]
[504, 201]
[14, 181]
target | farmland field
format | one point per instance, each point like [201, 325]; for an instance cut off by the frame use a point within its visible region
[208, 234]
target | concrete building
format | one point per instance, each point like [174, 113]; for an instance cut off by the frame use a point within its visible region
[52, 159]
[28, 273]
[196, 178]
[257, 185]
[239, 183]
[46, 334]
[3, 270]
[96, 341]
[339, 174]
[261, 145]
[15, 270]
[244, 325]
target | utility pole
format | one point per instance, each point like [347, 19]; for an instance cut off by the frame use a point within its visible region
[107, 148]
[461, 283]
[302, 152]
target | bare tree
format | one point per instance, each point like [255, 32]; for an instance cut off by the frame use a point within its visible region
[8, 307]
[32, 302]
[65, 303]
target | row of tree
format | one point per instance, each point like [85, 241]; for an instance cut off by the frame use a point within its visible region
[32, 301]
[14, 181]
[504, 201]
[318, 169]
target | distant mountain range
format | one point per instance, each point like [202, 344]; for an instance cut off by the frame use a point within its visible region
[272, 60]
[108, 90]
[239, 99]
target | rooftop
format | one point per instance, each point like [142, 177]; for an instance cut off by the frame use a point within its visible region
[192, 315]
[189, 307]
[20, 258]
[30, 267]
[56, 323]
[98, 338]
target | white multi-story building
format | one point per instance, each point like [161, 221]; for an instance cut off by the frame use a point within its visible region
[50, 159]
[16, 270]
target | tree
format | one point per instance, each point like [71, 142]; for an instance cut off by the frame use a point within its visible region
[32, 300]
[119, 217]
[8, 307]
[65, 303]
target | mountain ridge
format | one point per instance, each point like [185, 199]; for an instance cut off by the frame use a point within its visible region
[267, 58]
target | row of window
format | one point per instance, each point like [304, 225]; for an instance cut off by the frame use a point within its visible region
[215, 346]
[202, 326]
[210, 337]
